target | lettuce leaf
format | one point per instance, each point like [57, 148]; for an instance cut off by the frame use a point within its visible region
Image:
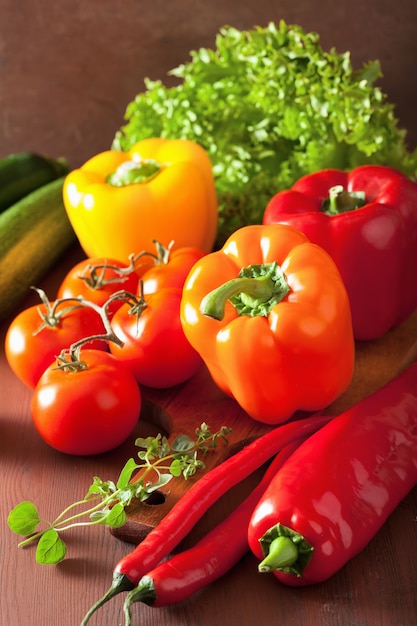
[270, 105]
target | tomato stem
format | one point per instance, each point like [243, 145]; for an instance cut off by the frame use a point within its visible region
[162, 255]
[51, 318]
[71, 358]
[96, 280]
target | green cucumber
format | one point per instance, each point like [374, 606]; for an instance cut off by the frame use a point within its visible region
[23, 172]
[34, 233]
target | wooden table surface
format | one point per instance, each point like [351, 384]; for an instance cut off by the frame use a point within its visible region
[377, 588]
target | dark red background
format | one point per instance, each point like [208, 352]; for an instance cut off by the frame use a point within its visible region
[68, 69]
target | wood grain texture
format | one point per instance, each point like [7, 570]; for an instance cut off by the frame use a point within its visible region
[377, 588]
[67, 73]
[181, 409]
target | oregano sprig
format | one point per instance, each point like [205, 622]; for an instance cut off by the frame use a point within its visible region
[157, 463]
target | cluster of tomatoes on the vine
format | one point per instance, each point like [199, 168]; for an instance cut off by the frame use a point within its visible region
[112, 327]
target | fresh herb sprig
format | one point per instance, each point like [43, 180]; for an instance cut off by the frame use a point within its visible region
[159, 462]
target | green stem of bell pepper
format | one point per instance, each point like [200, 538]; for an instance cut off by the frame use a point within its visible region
[256, 290]
[341, 201]
[134, 172]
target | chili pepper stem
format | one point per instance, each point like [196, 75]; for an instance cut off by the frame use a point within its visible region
[282, 553]
[119, 584]
[144, 592]
[254, 292]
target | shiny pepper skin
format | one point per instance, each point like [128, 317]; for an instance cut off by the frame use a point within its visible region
[120, 202]
[269, 315]
[366, 219]
[338, 488]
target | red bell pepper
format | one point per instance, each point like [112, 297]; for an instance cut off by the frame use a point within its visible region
[367, 221]
[270, 317]
[337, 489]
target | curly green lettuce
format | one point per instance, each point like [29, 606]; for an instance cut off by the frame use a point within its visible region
[270, 105]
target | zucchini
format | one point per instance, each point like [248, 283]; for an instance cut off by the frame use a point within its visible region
[34, 232]
[23, 172]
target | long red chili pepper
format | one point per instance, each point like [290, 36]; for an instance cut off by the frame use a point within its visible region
[197, 500]
[210, 558]
[335, 492]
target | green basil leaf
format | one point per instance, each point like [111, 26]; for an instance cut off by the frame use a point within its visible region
[50, 549]
[23, 519]
[126, 473]
[116, 516]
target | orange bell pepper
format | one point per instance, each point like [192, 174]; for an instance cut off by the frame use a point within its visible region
[119, 202]
[270, 316]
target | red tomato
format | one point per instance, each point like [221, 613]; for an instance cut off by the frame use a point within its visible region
[172, 273]
[155, 347]
[29, 353]
[88, 411]
[96, 283]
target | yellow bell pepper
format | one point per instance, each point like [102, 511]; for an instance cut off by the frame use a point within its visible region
[120, 202]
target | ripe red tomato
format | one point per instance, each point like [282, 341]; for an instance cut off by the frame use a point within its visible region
[29, 352]
[171, 273]
[155, 347]
[96, 283]
[87, 411]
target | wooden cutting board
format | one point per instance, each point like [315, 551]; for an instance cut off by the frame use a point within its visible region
[182, 409]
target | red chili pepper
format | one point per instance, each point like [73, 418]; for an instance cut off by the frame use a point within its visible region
[336, 491]
[198, 499]
[366, 220]
[213, 556]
